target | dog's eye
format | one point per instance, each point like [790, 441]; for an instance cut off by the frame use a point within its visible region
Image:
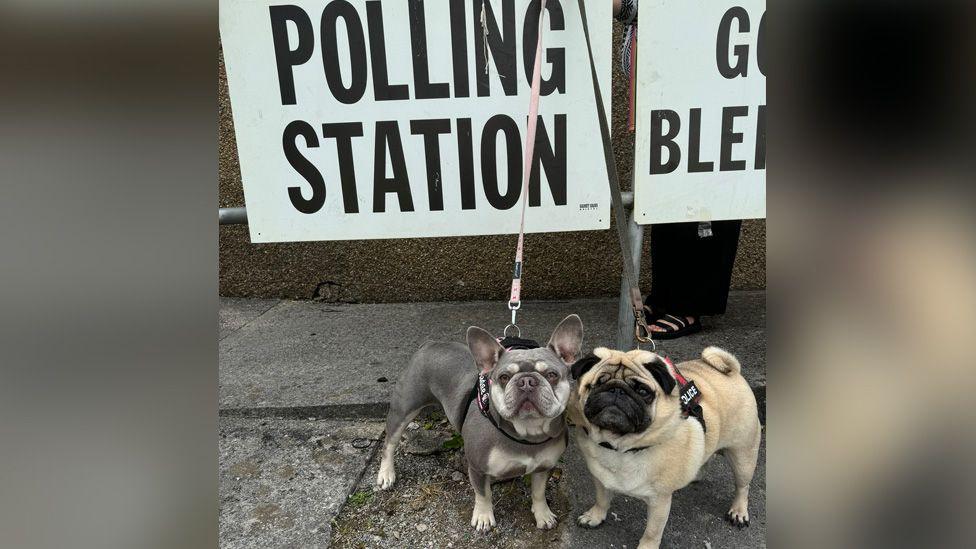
[552, 376]
[643, 391]
[504, 378]
[603, 379]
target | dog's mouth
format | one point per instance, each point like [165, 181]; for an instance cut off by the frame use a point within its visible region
[528, 406]
[615, 420]
[533, 406]
[616, 412]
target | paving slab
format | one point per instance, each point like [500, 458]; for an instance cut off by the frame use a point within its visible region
[307, 354]
[282, 482]
[236, 312]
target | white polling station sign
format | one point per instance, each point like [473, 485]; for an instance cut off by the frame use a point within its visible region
[369, 119]
[700, 151]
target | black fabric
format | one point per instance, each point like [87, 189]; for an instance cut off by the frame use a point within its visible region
[677, 321]
[667, 324]
[699, 414]
[512, 343]
[690, 275]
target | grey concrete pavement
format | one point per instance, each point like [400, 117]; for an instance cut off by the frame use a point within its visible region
[302, 353]
[430, 506]
[304, 387]
[282, 481]
[697, 511]
[236, 312]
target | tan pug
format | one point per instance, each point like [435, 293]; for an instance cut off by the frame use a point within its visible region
[636, 441]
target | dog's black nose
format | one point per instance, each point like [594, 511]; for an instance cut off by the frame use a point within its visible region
[527, 383]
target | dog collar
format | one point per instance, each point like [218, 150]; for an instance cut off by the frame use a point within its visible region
[482, 395]
[609, 446]
[511, 343]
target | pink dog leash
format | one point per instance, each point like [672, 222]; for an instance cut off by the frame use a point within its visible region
[515, 299]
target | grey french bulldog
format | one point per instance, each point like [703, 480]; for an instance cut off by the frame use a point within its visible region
[507, 404]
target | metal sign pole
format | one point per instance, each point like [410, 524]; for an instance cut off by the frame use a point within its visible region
[232, 216]
[625, 315]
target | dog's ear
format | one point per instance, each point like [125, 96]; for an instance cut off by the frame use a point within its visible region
[567, 339]
[583, 365]
[484, 348]
[659, 371]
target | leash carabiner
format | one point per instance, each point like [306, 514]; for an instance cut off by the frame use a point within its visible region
[641, 332]
[514, 306]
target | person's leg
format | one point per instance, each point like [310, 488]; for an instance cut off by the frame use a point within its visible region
[718, 252]
[670, 247]
[690, 275]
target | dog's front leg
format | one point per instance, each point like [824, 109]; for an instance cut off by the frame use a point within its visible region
[483, 516]
[658, 510]
[544, 517]
[595, 516]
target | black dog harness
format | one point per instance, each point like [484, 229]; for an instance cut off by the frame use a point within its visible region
[689, 395]
[481, 392]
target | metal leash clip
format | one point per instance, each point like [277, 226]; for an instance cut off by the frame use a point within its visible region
[641, 332]
[514, 306]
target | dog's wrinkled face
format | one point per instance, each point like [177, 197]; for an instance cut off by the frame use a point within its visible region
[618, 392]
[532, 383]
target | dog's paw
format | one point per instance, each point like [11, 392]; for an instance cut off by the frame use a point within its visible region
[386, 477]
[592, 518]
[545, 519]
[483, 519]
[738, 517]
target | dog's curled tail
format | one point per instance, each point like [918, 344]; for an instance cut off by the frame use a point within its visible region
[721, 360]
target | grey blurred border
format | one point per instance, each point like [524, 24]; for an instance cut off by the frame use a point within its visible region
[872, 274]
[108, 276]
[108, 283]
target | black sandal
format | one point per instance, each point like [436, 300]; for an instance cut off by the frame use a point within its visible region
[667, 323]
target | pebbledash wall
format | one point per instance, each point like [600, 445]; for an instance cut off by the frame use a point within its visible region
[561, 265]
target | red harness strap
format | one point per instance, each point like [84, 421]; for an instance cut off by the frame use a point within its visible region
[689, 395]
[674, 371]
